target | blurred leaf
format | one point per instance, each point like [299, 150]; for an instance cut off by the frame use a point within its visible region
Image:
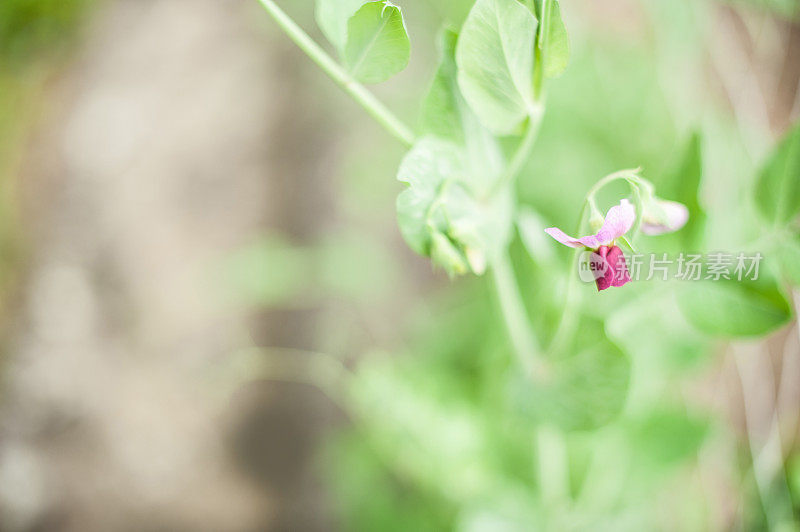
[531, 230]
[373, 498]
[495, 63]
[354, 266]
[269, 272]
[425, 168]
[734, 308]
[793, 474]
[446, 114]
[332, 17]
[377, 43]
[440, 208]
[442, 110]
[586, 389]
[554, 41]
[789, 257]
[687, 178]
[664, 438]
[29, 27]
[676, 346]
[777, 192]
[437, 443]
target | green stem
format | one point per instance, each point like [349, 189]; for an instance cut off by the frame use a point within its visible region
[622, 174]
[523, 152]
[525, 343]
[357, 91]
[540, 51]
[569, 317]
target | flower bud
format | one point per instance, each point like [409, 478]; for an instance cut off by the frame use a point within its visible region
[445, 254]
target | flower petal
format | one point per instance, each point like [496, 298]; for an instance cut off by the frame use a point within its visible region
[586, 241]
[619, 221]
[616, 262]
[672, 216]
[612, 270]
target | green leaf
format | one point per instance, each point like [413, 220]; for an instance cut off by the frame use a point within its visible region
[664, 438]
[687, 177]
[553, 41]
[677, 346]
[442, 108]
[734, 308]
[777, 193]
[429, 164]
[441, 203]
[446, 114]
[587, 388]
[377, 42]
[332, 17]
[531, 228]
[495, 63]
[436, 441]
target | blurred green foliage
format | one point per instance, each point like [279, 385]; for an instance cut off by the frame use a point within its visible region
[30, 29]
[34, 36]
[447, 434]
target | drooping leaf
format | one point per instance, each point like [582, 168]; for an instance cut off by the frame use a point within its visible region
[732, 308]
[777, 193]
[377, 42]
[495, 63]
[332, 17]
[553, 40]
[425, 168]
[440, 213]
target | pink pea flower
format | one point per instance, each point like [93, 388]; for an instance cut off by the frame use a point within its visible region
[607, 261]
[661, 216]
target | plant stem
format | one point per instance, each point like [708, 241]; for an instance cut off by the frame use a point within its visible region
[566, 326]
[523, 152]
[525, 343]
[622, 174]
[357, 91]
[540, 50]
[569, 317]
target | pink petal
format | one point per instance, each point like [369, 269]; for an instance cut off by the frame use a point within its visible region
[619, 221]
[586, 241]
[616, 261]
[675, 216]
[613, 270]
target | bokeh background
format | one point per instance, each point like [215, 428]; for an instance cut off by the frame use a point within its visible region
[209, 320]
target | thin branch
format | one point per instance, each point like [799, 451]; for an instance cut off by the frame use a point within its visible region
[526, 345]
[358, 92]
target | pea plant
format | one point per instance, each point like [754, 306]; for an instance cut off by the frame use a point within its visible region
[479, 124]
